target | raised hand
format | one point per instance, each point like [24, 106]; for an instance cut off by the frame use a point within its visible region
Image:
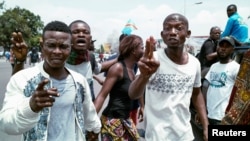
[43, 97]
[147, 64]
[19, 47]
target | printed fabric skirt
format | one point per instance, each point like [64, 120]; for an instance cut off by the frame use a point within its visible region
[118, 129]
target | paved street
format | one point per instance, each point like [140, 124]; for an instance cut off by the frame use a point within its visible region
[5, 69]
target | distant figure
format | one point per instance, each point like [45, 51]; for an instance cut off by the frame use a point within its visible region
[101, 56]
[190, 48]
[7, 56]
[12, 59]
[34, 57]
[40, 56]
[235, 26]
[208, 54]
[115, 55]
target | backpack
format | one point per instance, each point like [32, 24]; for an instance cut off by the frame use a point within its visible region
[92, 61]
[34, 57]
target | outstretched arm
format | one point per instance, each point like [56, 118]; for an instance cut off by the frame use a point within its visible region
[107, 64]
[99, 80]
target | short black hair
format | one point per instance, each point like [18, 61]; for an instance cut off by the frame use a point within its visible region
[179, 16]
[79, 21]
[214, 27]
[57, 26]
[232, 6]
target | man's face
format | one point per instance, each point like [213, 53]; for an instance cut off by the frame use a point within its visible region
[56, 48]
[175, 31]
[81, 36]
[230, 11]
[224, 50]
[215, 34]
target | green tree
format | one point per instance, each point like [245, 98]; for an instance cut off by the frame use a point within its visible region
[22, 20]
[2, 4]
[102, 49]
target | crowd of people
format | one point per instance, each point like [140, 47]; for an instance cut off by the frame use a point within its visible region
[56, 99]
[33, 56]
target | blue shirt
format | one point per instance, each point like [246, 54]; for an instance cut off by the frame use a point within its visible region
[236, 28]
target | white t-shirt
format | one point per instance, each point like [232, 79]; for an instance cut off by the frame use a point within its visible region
[221, 78]
[83, 68]
[167, 99]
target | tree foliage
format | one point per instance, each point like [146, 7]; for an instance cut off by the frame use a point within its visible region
[102, 49]
[18, 19]
[1, 5]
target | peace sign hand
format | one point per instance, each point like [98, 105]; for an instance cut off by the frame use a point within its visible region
[19, 47]
[147, 64]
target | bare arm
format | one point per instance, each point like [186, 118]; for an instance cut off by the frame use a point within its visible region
[107, 64]
[199, 104]
[18, 67]
[211, 56]
[115, 73]
[100, 81]
[137, 87]
[209, 50]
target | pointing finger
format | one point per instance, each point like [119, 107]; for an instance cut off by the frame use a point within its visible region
[42, 84]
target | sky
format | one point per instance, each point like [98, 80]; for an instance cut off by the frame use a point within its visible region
[107, 18]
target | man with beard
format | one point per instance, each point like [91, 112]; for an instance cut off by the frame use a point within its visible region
[221, 78]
